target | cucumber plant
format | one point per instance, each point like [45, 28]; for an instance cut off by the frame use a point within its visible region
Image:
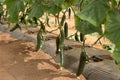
[89, 16]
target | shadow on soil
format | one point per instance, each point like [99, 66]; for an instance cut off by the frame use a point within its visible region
[12, 58]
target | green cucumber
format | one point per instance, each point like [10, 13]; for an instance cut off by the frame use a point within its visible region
[22, 20]
[39, 41]
[47, 21]
[63, 19]
[57, 44]
[42, 27]
[62, 57]
[62, 36]
[76, 37]
[82, 63]
[35, 20]
[66, 29]
[81, 37]
[69, 13]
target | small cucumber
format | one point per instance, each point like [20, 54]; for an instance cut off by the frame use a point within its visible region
[69, 13]
[82, 63]
[62, 57]
[35, 20]
[66, 29]
[81, 37]
[42, 27]
[76, 37]
[62, 36]
[57, 44]
[63, 19]
[47, 21]
[22, 20]
[39, 41]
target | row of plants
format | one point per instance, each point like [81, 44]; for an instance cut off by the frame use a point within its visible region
[89, 16]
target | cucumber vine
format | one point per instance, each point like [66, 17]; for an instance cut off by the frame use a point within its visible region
[89, 16]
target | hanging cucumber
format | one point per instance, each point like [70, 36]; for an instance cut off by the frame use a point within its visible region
[76, 37]
[62, 37]
[15, 27]
[39, 41]
[22, 20]
[66, 29]
[57, 45]
[42, 27]
[47, 21]
[69, 13]
[81, 37]
[63, 19]
[35, 20]
[61, 58]
[82, 63]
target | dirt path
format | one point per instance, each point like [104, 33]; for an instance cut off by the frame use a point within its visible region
[19, 62]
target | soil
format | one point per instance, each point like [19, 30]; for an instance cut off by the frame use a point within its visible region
[18, 61]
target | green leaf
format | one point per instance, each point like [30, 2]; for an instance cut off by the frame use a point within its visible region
[85, 27]
[13, 8]
[112, 26]
[37, 10]
[54, 9]
[69, 2]
[2, 1]
[1, 9]
[94, 12]
[116, 54]
[59, 2]
[112, 31]
[29, 1]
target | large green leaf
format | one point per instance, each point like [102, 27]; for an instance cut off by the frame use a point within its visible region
[112, 26]
[59, 2]
[37, 10]
[13, 8]
[94, 12]
[116, 54]
[112, 31]
[54, 9]
[85, 27]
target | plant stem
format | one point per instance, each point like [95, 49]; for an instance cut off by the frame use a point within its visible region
[97, 40]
